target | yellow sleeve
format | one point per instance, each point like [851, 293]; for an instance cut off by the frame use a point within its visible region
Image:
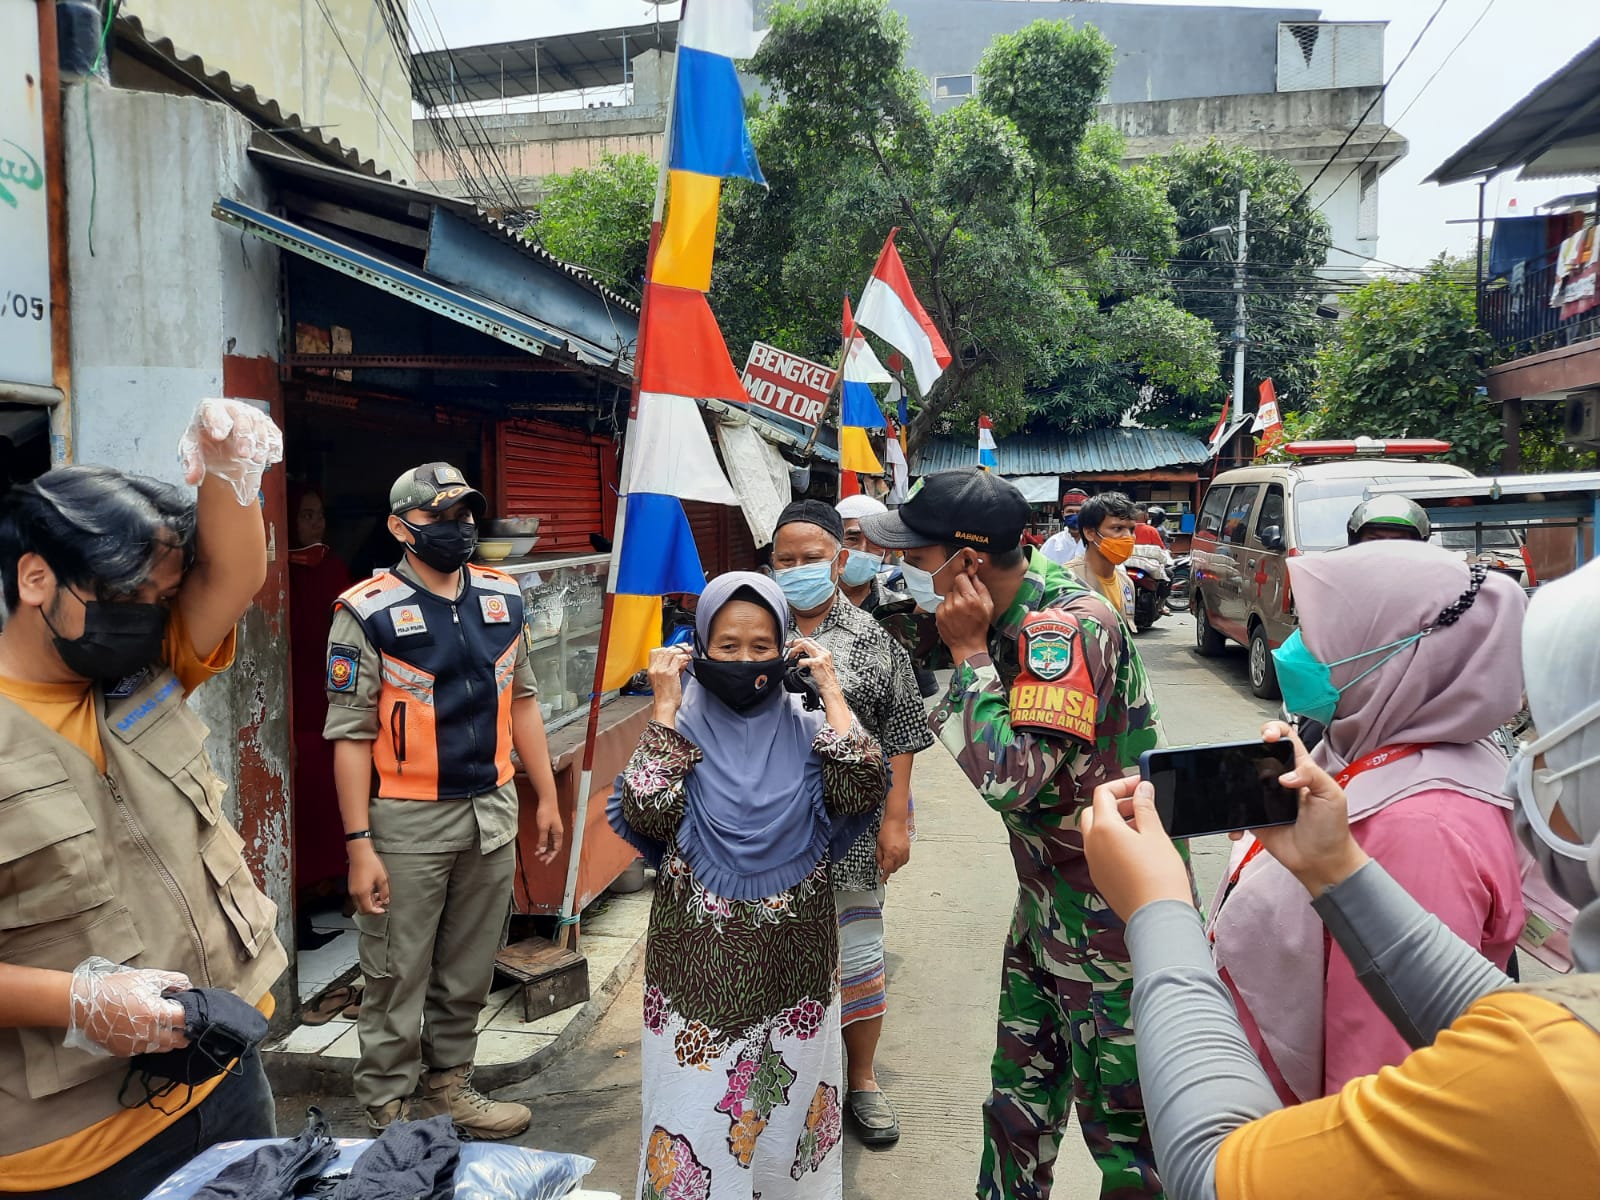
[189, 667]
[1505, 1103]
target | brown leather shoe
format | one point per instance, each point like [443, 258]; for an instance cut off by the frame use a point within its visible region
[475, 1115]
[382, 1116]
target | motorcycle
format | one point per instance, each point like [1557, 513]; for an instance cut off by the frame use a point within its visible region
[1150, 593]
[1179, 597]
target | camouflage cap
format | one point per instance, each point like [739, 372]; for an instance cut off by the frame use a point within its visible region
[434, 487]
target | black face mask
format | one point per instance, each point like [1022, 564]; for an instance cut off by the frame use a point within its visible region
[743, 685]
[221, 1028]
[118, 640]
[444, 546]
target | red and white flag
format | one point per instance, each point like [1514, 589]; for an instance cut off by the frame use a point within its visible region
[892, 311]
[1269, 422]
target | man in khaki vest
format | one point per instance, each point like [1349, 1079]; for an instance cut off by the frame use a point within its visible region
[119, 875]
[429, 690]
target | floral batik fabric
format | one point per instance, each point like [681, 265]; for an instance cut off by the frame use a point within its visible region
[741, 1052]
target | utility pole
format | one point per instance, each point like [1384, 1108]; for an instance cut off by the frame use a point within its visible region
[1240, 253]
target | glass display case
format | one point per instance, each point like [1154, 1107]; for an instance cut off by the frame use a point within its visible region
[563, 599]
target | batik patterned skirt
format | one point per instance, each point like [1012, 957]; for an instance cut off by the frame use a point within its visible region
[741, 1054]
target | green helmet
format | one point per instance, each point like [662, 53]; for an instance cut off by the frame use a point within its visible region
[1388, 516]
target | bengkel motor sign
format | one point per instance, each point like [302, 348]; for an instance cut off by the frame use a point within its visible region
[787, 384]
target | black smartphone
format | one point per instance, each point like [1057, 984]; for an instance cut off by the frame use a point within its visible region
[1216, 789]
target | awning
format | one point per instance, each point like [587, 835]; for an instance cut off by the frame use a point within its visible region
[496, 320]
[1037, 489]
[1122, 449]
[1552, 131]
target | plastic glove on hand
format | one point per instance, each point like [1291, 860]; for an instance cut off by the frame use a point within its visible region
[233, 441]
[120, 1011]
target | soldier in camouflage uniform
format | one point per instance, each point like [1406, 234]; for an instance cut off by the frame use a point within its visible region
[1048, 700]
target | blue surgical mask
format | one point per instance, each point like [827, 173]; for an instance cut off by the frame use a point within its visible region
[919, 585]
[809, 586]
[860, 567]
[1307, 682]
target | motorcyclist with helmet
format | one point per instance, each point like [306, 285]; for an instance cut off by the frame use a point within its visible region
[1388, 518]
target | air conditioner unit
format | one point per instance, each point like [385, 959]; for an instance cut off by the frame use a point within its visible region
[1582, 425]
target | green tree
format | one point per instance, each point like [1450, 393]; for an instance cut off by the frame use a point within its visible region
[1288, 242]
[1406, 361]
[599, 218]
[1018, 223]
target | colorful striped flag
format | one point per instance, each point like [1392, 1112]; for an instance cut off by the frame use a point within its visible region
[682, 357]
[988, 458]
[860, 370]
[858, 407]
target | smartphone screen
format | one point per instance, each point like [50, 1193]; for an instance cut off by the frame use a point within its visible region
[1217, 789]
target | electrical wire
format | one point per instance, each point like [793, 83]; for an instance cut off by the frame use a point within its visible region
[399, 140]
[1388, 128]
[1368, 111]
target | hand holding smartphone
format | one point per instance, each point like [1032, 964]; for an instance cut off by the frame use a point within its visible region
[1221, 788]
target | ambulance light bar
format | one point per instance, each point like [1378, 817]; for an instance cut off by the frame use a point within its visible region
[1365, 447]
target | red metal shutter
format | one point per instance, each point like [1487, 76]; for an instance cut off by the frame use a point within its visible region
[705, 522]
[555, 473]
[741, 545]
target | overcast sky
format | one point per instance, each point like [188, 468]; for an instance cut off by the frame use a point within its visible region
[1517, 44]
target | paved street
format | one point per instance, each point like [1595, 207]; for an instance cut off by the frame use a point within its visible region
[948, 915]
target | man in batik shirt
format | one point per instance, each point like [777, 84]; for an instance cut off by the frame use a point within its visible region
[1048, 699]
[809, 559]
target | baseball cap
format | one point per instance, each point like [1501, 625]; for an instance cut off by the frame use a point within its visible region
[434, 487]
[969, 507]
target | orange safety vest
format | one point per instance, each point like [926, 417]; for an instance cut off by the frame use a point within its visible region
[444, 711]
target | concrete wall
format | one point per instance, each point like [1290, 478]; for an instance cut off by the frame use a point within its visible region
[1164, 51]
[288, 51]
[537, 144]
[1303, 128]
[170, 306]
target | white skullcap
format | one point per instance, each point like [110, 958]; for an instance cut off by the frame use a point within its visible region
[860, 505]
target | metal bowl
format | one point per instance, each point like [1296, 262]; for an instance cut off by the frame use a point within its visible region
[514, 527]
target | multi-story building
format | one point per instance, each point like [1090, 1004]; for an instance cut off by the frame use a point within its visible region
[1278, 79]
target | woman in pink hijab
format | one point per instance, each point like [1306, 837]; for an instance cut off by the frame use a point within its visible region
[1413, 660]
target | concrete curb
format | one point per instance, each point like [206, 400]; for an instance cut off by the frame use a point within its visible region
[299, 1073]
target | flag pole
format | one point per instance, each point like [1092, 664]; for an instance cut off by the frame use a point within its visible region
[567, 932]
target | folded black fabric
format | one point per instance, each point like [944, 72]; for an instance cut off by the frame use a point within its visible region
[413, 1160]
[221, 1029]
[278, 1170]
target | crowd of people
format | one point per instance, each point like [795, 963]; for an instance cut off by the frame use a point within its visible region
[1336, 1021]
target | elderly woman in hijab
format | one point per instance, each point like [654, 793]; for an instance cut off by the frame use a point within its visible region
[748, 781]
[1410, 659]
[1501, 1093]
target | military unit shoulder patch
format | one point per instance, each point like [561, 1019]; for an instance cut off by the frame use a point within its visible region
[1053, 692]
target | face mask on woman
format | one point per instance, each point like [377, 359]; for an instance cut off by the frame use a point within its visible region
[1307, 682]
[860, 567]
[741, 685]
[1568, 866]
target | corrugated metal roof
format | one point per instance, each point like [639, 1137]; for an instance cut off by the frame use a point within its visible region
[400, 197]
[159, 51]
[1552, 131]
[1101, 451]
